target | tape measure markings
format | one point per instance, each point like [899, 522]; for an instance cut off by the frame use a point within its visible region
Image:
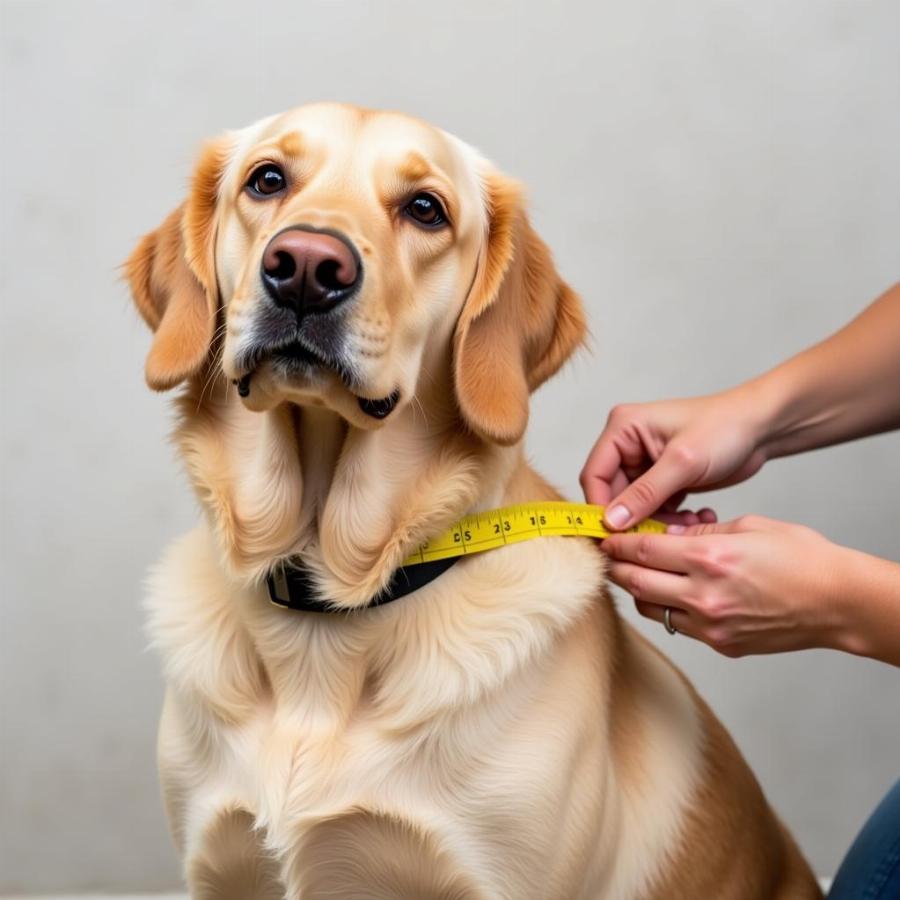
[489, 529]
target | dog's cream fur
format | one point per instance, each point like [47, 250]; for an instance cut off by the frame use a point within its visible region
[500, 733]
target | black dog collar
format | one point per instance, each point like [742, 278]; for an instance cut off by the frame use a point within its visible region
[291, 586]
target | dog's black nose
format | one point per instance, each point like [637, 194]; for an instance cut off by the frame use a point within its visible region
[309, 271]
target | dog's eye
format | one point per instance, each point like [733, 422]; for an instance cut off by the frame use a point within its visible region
[266, 180]
[426, 209]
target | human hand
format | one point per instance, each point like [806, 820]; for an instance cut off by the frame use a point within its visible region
[651, 454]
[749, 586]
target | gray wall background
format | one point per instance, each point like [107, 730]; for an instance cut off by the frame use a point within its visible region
[720, 180]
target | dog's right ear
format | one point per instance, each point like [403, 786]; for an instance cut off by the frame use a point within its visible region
[519, 324]
[172, 275]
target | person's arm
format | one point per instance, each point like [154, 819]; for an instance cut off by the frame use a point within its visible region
[872, 600]
[846, 387]
[650, 454]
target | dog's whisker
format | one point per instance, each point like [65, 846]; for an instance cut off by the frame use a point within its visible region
[214, 371]
[220, 329]
[216, 362]
[416, 402]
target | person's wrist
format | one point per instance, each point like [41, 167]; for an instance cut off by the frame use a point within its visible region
[845, 577]
[789, 411]
[757, 404]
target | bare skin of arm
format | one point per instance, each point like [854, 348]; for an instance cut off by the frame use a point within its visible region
[766, 586]
[846, 387]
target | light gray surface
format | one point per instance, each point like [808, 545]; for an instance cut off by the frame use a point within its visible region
[719, 180]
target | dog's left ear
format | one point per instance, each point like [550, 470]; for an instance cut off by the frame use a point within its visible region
[519, 324]
[172, 274]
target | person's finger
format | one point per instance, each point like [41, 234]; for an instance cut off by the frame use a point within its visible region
[602, 470]
[672, 515]
[649, 585]
[638, 469]
[682, 517]
[618, 484]
[679, 619]
[673, 504]
[664, 552]
[734, 526]
[674, 471]
[614, 455]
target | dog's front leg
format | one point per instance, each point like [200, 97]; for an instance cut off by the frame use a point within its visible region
[231, 863]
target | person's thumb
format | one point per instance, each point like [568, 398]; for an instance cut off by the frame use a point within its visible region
[672, 472]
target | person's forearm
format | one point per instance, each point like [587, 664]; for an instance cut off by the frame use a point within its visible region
[867, 606]
[846, 387]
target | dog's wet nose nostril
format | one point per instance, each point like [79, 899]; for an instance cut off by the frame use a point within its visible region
[309, 270]
[329, 274]
[285, 267]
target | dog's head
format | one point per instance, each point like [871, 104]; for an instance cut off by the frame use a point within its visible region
[342, 257]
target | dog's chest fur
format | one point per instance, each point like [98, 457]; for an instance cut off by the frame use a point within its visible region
[418, 731]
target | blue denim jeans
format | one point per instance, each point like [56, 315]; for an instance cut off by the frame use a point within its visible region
[871, 869]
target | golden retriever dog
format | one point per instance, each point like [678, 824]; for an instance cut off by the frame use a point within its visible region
[358, 310]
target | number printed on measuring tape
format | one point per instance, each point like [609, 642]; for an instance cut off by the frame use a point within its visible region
[524, 522]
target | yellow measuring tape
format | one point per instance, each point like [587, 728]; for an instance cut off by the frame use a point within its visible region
[523, 522]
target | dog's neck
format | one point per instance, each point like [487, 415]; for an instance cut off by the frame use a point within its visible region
[299, 481]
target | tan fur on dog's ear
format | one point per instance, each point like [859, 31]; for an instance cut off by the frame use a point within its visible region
[173, 278]
[520, 323]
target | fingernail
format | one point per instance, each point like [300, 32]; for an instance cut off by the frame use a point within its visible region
[675, 529]
[618, 516]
